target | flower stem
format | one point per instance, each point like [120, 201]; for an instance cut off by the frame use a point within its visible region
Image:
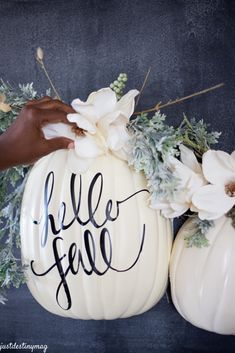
[143, 86]
[159, 106]
[49, 79]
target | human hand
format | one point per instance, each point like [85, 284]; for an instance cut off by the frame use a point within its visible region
[23, 142]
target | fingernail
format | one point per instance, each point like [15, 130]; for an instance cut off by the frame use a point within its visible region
[70, 146]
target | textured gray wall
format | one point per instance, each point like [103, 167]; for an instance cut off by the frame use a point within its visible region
[190, 46]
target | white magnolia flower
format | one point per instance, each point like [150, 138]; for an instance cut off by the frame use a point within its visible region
[214, 200]
[189, 173]
[103, 120]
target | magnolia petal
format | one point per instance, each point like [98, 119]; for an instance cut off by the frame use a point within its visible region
[82, 122]
[85, 109]
[121, 154]
[117, 137]
[113, 139]
[76, 164]
[168, 213]
[195, 182]
[182, 196]
[180, 170]
[177, 206]
[212, 201]
[104, 123]
[169, 209]
[193, 208]
[189, 159]
[103, 100]
[58, 129]
[233, 155]
[127, 103]
[165, 208]
[158, 205]
[86, 147]
[172, 213]
[189, 182]
[120, 120]
[209, 215]
[218, 167]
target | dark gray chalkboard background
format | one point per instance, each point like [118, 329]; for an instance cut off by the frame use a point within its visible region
[189, 46]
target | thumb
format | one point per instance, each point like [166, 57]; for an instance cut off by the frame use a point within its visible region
[59, 143]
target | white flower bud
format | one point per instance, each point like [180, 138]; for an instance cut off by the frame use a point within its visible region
[39, 54]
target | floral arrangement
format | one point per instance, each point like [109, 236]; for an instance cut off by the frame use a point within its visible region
[184, 175]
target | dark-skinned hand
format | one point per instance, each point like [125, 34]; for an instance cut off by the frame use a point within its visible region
[23, 142]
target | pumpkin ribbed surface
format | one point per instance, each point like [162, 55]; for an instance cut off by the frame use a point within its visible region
[112, 250]
[203, 280]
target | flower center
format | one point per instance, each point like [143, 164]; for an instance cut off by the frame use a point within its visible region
[230, 189]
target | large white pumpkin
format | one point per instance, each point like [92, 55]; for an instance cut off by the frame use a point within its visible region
[203, 279]
[95, 249]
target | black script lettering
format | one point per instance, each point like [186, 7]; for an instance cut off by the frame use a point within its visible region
[75, 255]
[75, 258]
[49, 218]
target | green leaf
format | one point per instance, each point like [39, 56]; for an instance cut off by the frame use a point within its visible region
[199, 230]
[195, 135]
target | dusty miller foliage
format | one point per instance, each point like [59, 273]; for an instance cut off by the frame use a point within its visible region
[198, 235]
[153, 142]
[195, 135]
[12, 182]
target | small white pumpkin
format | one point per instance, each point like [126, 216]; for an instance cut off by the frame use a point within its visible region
[203, 279]
[93, 247]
